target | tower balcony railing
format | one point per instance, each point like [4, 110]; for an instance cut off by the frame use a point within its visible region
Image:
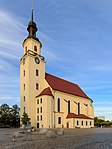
[33, 54]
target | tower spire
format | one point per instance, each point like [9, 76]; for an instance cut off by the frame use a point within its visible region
[32, 27]
[32, 10]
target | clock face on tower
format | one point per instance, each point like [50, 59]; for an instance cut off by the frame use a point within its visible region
[37, 60]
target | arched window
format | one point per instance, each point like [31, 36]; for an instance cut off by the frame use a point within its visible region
[24, 86]
[41, 117]
[37, 118]
[86, 123]
[35, 48]
[24, 73]
[78, 107]
[24, 110]
[69, 106]
[24, 98]
[58, 106]
[59, 120]
[90, 123]
[40, 109]
[37, 72]
[40, 100]
[37, 86]
[77, 123]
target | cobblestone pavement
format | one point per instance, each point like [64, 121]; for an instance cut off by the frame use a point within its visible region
[95, 138]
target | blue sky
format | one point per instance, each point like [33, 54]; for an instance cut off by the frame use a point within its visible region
[77, 44]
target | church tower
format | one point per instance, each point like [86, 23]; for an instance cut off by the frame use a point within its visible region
[32, 72]
[49, 101]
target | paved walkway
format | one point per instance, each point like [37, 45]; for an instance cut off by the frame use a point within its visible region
[95, 138]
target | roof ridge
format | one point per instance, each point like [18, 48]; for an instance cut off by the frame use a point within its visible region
[65, 86]
[62, 79]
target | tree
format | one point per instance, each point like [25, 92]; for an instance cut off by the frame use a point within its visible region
[25, 118]
[15, 118]
[9, 116]
[95, 119]
[100, 123]
[5, 115]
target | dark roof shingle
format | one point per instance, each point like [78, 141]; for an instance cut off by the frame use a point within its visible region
[46, 91]
[81, 116]
[64, 86]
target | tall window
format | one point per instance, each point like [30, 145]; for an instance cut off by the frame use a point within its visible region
[90, 123]
[41, 117]
[86, 123]
[41, 110]
[24, 110]
[37, 101]
[78, 107]
[58, 104]
[37, 86]
[24, 86]
[69, 106]
[59, 120]
[37, 110]
[35, 48]
[82, 123]
[37, 72]
[24, 73]
[87, 109]
[37, 118]
[40, 100]
[77, 123]
[24, 98]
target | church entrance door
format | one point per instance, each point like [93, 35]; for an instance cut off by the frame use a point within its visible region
[67, 125]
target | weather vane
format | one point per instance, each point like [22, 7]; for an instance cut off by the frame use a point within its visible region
[33, 4]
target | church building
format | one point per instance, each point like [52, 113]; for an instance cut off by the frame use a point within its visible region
[50, 101]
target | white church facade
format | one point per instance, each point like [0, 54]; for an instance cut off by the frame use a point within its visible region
[50, 101]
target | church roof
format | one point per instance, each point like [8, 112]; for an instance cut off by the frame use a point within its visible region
[64, 86]
[81, 116]
[46, 91]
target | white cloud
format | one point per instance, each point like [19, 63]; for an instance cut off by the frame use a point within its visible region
[103, 103]
[10, 20]
[50, 45]
[9, 98]
[8, 42]
[11, 36]
[103, 108]
[11, 33]
[8, 55]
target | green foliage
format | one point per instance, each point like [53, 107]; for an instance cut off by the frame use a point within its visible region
[106, 123]
[95, 120]
[25, 118]
[101, 123]
[15, 115]
[9, 116]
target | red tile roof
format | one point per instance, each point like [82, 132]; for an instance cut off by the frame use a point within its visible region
[64, 86]
[46, 91]
[81, 116]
